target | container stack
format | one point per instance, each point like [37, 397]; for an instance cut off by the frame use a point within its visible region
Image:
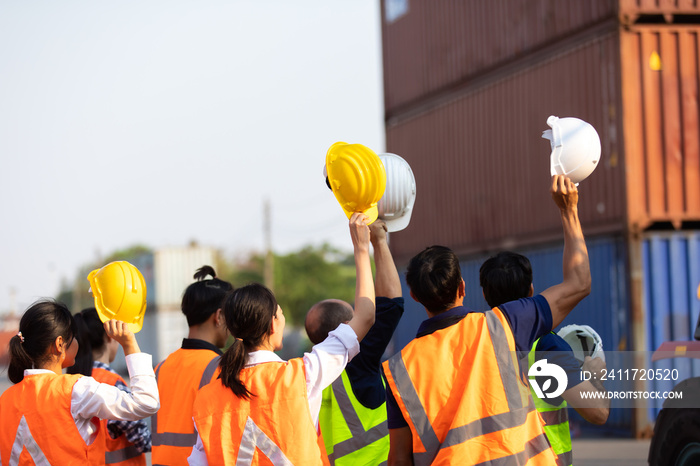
[468, 89]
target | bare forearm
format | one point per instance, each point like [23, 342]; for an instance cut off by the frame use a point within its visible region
[576, 267]
[387, 282]
[364, 295]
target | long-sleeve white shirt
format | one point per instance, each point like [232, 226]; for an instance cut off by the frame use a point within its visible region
[91, 398]
[322, 365]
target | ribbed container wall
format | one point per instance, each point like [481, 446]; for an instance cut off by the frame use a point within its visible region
[660, 72]
[605, 309]
[174, 268]
[482, 168]
[671, 264]
[438, 44]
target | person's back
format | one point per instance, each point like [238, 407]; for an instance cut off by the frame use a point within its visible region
[506, 277]
[189, 368]
[457, 387]
[37, 421]
[263, 409]
[455, 392]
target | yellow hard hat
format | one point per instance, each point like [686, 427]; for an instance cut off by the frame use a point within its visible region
[357, 178]
[120, 293]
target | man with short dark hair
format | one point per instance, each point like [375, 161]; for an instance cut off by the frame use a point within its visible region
[455, 392]
[507, 276]
[353, 414]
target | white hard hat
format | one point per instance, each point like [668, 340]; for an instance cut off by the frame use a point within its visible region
[396, 206]
[584, 341]
[575, 147]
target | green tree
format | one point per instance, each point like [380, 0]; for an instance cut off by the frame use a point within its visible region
[302, 278]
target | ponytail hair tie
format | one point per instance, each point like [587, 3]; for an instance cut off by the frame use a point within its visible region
[21, 338]
[239, 339]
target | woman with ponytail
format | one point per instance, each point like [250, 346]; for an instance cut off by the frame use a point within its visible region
[50, 418]
[126, 441]
[263, 409]
[189, 368]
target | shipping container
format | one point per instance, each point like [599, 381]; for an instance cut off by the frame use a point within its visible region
[480, 162]
[659, 71]
[174, 268]
[671, 266]
[433, 47]
[482, 167]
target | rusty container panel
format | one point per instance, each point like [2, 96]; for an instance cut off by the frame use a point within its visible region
[631, 11]
[482, 168]
[660, 94]
[431, 45]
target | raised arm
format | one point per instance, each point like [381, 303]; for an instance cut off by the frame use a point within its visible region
[576, 285]
[364, 286]
[387, 283]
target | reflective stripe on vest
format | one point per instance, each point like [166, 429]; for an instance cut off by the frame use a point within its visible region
[254, 437]
[23, 440]
[532, 448]
[123, 454]
[556, 419]
[519, 414]
[361, 438]
[177, 439]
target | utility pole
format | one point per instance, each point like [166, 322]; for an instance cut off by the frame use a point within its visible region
[269, 267]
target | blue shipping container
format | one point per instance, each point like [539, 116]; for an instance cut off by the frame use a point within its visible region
[671, 274]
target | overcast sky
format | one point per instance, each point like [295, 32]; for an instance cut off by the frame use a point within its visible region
[162, 122]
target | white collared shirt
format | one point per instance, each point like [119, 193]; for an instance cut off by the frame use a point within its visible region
[322, 365]
[91, 398]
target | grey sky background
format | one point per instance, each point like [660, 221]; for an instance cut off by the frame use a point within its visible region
[162, 122]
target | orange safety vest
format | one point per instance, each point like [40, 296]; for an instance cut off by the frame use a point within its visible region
[179, 377]
[38, 427]
[492, 420]
[119, 450]
[273, 427]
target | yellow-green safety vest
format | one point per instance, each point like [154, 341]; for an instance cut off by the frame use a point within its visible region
[353, 435]
[556, 420]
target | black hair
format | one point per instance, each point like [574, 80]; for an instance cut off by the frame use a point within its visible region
[41, 324]
[331, 313]
[203, 297]
[249, 312]
[505, 277]
[91, 337]
[434, 276]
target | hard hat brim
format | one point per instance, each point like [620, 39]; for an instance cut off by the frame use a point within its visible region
[372, 213]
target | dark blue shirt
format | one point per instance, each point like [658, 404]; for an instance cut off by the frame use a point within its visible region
[553, 348]
[364, 371]
[529, 319]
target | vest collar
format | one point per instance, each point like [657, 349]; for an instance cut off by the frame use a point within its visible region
[443, 320]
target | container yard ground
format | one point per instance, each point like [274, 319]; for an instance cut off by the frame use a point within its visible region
[620, 452]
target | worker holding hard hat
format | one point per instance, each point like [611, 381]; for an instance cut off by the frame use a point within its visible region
[39, 409]
[184, 372]
[353, 411]
[455, 393]
[507, 277]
